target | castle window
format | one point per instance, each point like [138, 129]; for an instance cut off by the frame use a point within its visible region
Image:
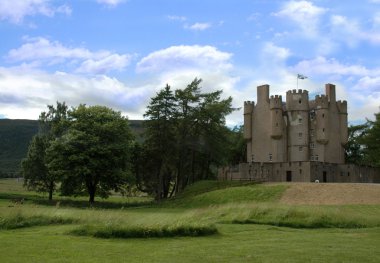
[323, 129]
[312, 115]
[316, 157]
[253, 158]
[348, 173]
[270, 157]
[300, 135]
[300, 148]
[312, 157]
[300, 171]
[299, 101]
[323, 115]
[276, 124]
[300, 120]
[312, 145]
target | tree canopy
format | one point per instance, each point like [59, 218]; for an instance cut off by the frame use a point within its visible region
[92, 156]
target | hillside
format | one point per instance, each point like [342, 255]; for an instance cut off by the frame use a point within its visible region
[15, 136]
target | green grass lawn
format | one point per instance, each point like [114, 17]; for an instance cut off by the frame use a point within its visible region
[251, 227]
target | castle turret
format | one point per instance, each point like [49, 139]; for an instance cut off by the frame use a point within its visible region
[322, 117]
[297, 105]
[342, 107]
[263, 94]
[248, 109]
[330, 92]
[277, 121]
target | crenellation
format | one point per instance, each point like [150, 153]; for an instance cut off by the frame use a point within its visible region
[321, 102]
[342, 106]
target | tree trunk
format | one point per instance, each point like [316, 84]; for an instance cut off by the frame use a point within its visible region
[50, 194]
[91, 191]
[51, 189]
[91, 200]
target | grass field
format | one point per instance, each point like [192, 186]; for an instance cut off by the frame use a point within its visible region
[209, 222]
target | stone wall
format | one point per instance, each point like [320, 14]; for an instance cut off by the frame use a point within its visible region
[300, 172]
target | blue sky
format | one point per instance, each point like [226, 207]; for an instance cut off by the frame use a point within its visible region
[120, 53]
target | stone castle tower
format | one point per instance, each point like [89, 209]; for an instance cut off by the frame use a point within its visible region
[297, 140]
[298, 130]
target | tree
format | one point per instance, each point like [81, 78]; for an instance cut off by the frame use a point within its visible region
[354, 149]
[37, 175]
[186, 139]
[92, 156]
[371, 142]
[160, 148]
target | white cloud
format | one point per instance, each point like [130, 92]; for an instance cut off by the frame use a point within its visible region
[276, 52]
[198, 26]
[104, 65]
[324, 66]
[304, 13]
[351, 32]
[16, 11]
[177, 18]
[53, 52]
[26, 94]
[111, 3]
[184, 57]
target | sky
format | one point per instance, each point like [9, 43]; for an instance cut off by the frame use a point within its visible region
[120, 53]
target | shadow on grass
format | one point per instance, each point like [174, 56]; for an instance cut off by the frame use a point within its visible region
[63, 202]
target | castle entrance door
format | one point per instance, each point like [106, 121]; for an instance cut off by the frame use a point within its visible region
[288, 176]
[324, 176]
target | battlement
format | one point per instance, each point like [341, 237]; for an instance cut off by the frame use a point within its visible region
[321, 102]
[342, 106]
[248, 106]
[297, 100]
[275, 102]
[298, 92]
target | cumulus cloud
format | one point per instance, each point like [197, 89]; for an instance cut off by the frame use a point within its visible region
[16, 11]
[26, 94]
[304, 13]
[41, 49]
[350, 31]
[111, 3]
[324, 66]
[198, 26]
[184, 57]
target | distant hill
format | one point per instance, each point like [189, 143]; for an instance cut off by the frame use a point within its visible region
[15, 136]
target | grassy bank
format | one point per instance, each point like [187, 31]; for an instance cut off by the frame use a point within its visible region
[210, 221]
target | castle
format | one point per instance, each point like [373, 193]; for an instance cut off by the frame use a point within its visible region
[297, 140]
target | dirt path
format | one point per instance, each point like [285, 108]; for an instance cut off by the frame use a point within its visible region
[331, 194]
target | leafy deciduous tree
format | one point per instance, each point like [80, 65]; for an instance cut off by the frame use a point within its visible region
[92, 156]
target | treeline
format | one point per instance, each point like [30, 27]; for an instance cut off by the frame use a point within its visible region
[90, 150]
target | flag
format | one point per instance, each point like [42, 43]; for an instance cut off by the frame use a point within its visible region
[300, 76]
